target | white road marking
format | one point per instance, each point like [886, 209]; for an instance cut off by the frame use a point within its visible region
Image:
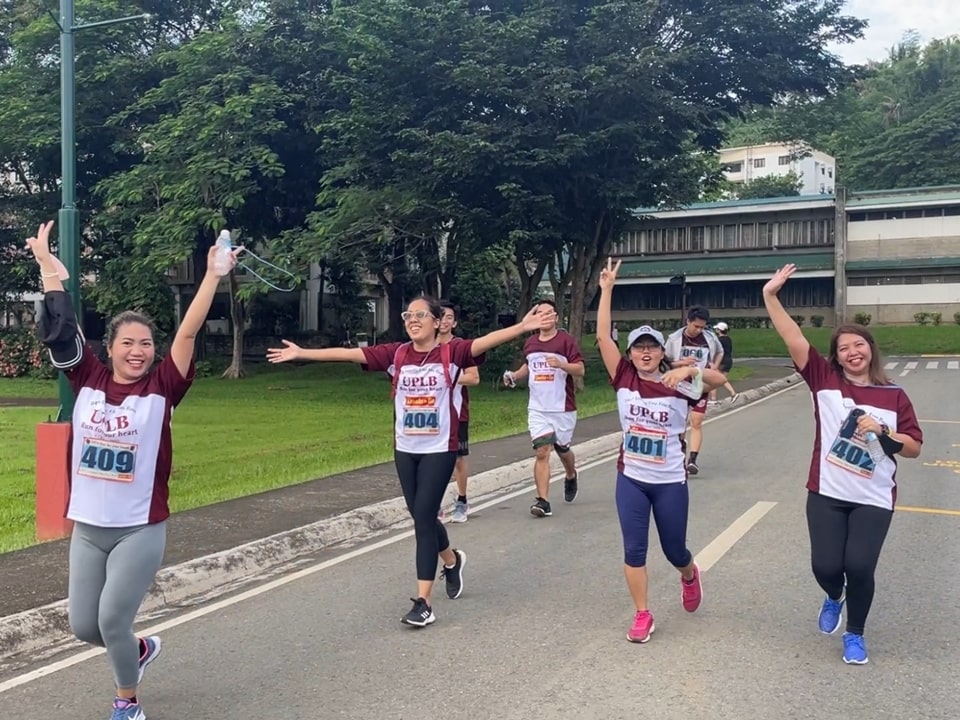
[912, 365]
[933, 365]
[710, 555]
[890, 365]
[953, 365]
[722, 543]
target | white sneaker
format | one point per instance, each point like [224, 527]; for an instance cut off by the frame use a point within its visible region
[460, 512]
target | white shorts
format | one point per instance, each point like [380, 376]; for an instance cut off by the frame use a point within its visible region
[551, 428]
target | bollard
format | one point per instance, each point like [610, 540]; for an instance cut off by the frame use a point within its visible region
[53, 486]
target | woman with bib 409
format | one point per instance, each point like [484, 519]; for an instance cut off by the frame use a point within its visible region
[863, 421]
[119, 465]
[654, 403]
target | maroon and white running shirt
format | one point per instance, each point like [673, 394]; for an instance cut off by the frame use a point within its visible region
[121, 447]
[426, 408]
[551, 389]
[842, 468]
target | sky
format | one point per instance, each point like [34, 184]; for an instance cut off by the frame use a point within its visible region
[889, 19]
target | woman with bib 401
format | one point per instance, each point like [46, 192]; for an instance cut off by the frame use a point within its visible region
[120, 458]
[863, 422]
[654, 403]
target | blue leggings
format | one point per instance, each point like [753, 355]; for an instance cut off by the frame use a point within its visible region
[670, 503]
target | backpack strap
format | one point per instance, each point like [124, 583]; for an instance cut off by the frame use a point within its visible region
[400, 357]
[445, 352]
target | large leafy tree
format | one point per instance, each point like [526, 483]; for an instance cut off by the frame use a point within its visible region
[546, 121]
[894, 124]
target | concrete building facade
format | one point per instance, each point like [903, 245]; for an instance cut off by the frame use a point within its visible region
[816, 170]
[889, 254]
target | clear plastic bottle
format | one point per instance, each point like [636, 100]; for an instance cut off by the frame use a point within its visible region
[221, 261]
[692, 388]
[874, 447]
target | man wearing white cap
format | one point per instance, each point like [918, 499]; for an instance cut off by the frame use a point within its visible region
[726, 362]
[695, 345]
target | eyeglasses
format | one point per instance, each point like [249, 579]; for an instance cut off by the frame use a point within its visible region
[645, 346]
[407, 315]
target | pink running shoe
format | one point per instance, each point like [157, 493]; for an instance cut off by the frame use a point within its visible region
[691, 592]
[642, 627]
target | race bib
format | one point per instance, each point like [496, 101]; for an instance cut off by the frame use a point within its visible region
[852, 455]
[543, 377]
[107, 460]
[421, 416]
[647, 445]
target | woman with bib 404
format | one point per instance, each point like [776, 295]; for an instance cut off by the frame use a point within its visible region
[119, 460]
[654, 403]
[863, 422]
[424, 373]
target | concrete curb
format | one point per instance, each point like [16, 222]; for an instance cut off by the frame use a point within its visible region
[216, 574]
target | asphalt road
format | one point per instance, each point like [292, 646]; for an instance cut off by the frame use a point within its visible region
[540, 629]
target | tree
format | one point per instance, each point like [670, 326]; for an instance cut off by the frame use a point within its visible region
[206, 134]
[769, 186]
[890, 126]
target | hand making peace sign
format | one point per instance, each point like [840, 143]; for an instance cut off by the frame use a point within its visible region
[608, 275]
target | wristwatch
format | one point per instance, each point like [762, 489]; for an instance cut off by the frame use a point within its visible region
[884, 429]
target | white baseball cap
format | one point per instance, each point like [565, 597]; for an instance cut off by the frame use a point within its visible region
[644, 330]
[721, 326]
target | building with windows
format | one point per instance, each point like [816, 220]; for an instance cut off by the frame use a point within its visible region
[815, 169]
[902, 253]
[890, 254]
[720, 254]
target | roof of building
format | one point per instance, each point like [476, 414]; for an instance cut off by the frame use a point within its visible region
[792, 202]
[903, 263]
[724, 264]
[903, 197]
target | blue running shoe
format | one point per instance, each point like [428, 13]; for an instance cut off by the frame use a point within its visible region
[854, 649]
[126, 710]
[149, 651]
[830, 615]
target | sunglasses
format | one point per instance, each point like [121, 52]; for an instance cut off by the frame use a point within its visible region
[407, 315]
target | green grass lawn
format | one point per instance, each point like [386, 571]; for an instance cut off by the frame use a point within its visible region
[280, 426]
[285, 425]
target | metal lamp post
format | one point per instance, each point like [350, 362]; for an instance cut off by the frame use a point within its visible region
[69, 218]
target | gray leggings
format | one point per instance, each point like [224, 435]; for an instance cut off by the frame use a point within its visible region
[111, 570]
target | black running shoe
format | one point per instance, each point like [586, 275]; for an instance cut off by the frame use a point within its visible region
[420, 614]
[454, 575]
[541, 508]
[692, 468]
[570, 489]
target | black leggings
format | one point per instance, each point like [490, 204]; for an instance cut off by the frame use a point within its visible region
[424, 479]
[845, 543]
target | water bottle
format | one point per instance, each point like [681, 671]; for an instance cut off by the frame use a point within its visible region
[221, 260]
[509, 380]
[692, 388]
[874, 447]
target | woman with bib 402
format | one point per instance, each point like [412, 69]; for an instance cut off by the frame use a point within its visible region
[654, 403]
[120, 458]
[863, 422]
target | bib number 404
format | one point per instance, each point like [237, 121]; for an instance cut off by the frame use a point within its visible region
[420, 421]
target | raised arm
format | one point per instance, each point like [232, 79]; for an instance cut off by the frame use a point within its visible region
[57, 328]
[609, 352]
[292, 352]
[181, 350]
[797, 345]
[533, 320]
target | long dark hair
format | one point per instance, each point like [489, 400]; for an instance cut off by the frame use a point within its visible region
[875, 369]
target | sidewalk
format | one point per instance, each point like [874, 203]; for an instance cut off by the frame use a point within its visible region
[37, 575]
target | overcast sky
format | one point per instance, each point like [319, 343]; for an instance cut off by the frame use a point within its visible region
[889, 19]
